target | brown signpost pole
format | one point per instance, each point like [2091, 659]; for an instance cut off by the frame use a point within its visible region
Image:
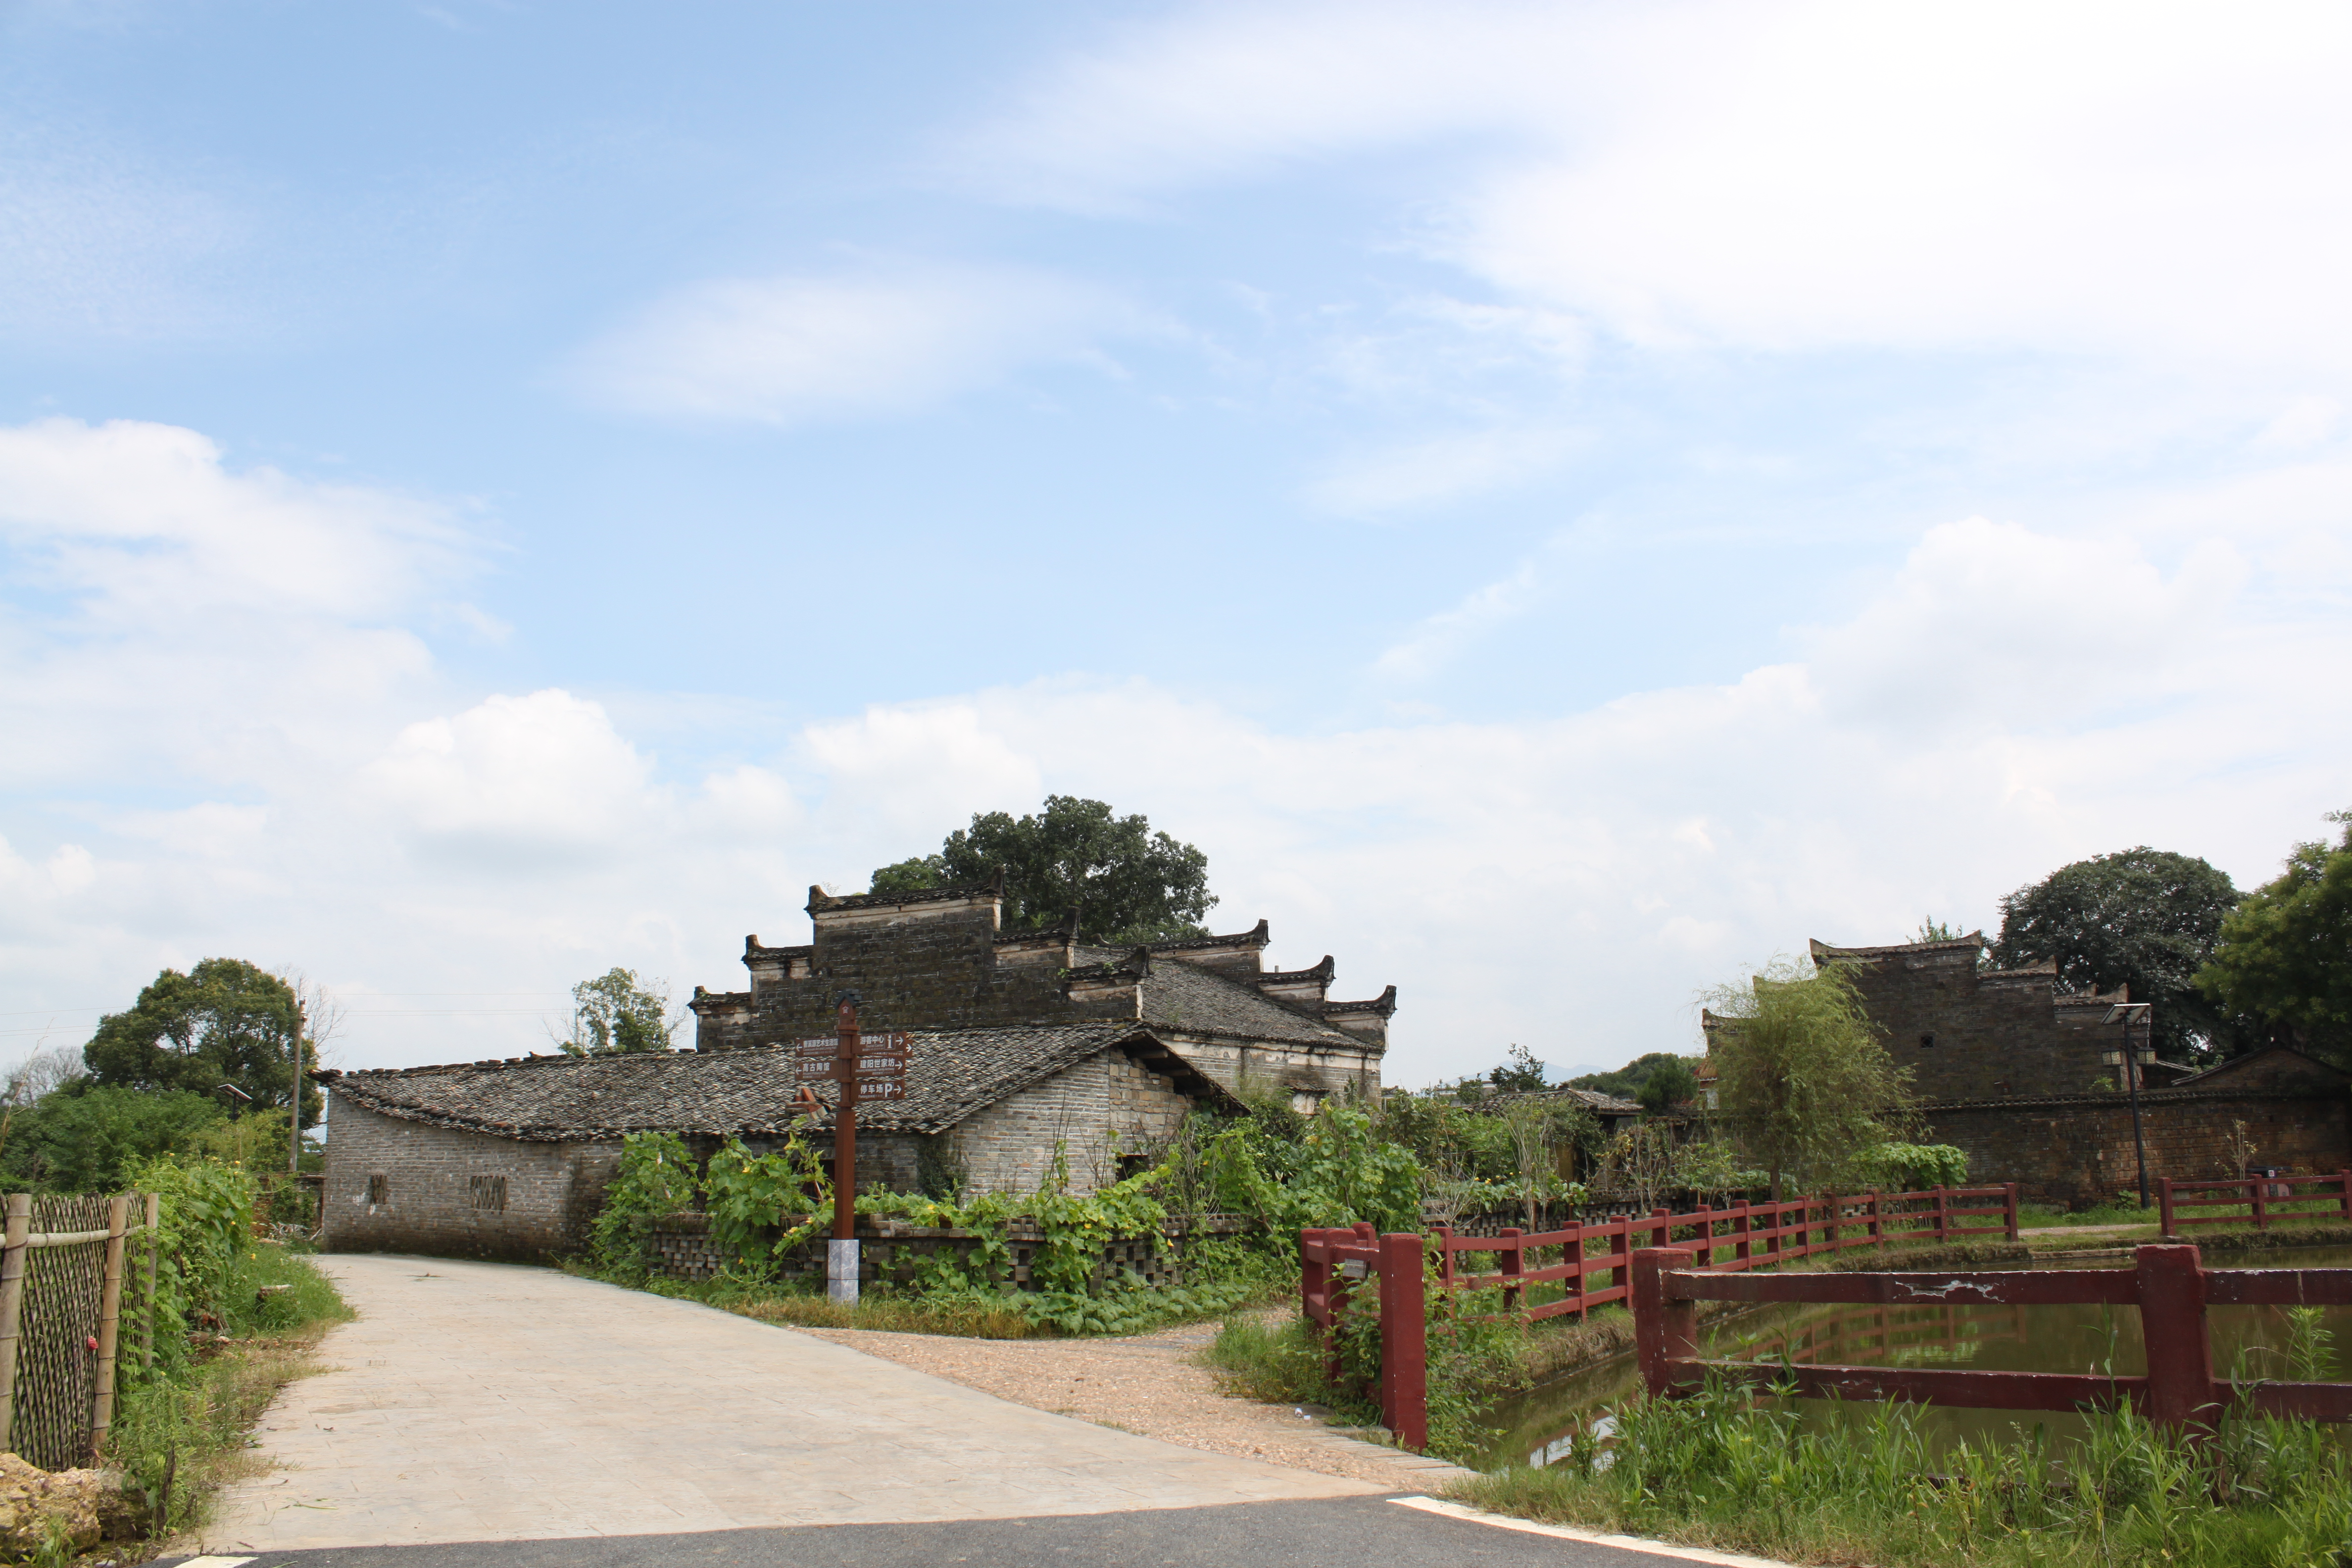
[860, 1068]
[841, 1252]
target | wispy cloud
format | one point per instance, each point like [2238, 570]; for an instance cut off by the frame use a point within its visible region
[871, 341]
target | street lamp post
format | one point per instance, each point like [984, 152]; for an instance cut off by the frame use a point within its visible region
[2132, 1059]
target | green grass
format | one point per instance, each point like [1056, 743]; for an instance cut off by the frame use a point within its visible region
[1726, 1469]
[968, 1313]
[179, 1436]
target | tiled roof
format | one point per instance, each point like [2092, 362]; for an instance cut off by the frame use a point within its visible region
[950, 1075]
[1186, 997]
[1591, 1099]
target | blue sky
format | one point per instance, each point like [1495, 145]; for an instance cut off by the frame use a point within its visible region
[1561, 502]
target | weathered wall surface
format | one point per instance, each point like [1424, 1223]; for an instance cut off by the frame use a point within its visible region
[1096, 1111]
[2078, 1152]
[932, 969]
[429, 1200]
[1968, 1035]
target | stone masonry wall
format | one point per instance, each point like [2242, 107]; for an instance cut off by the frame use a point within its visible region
[934, 970]
[438, 1184]
[2079, 1152]
[1097, 1110]
[1969, 1035]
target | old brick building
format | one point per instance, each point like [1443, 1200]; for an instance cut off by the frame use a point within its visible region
[510, 1159]
[2010, 1068]
[938, 960]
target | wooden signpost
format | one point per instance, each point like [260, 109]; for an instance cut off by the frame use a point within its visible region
[862, 1066]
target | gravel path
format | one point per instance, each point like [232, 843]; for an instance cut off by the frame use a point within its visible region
[1152, 1385]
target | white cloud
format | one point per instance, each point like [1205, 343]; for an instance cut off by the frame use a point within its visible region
[2105, 177]
[2008, 699]
[881, 340]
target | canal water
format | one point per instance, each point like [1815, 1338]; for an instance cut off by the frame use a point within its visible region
[2248, 1342]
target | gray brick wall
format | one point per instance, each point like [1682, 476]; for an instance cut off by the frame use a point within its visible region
[429, 1186]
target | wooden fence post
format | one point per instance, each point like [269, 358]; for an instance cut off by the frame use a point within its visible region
[110, 1324]
[12, 1309]
[1833, 1211]
[2262, 1201]
[1659, 1233]
[2009, 1204]
[1404, 1341]
[1739, 1222]
[2343, 1179]
[1877, 1221]
[1664, 1331]
[1314, 1276]
[2180, 1392]
[155, 1244]
[1514, 1264]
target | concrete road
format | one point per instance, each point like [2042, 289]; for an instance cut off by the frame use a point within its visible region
[1244, 1535]
[476, 1403]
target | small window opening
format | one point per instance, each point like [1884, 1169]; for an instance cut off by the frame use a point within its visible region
[487, 1192]
[1925, 1041]
[1133, 1166]
[379, 1189]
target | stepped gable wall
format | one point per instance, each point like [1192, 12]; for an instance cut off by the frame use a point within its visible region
[1968, 1033]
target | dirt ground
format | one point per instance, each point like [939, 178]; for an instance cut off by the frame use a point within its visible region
[1152, 1385]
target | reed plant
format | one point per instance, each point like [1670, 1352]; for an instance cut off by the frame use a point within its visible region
[1733, 1467]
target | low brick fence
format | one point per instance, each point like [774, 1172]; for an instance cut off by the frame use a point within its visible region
[894, 1250]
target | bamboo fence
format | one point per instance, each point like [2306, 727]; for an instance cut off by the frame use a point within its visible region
[62, 1270]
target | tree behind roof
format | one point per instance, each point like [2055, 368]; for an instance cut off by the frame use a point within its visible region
[1803, 1083]
[2285, 956]
[1125, 883]
[2143, 918]
[614, 1015]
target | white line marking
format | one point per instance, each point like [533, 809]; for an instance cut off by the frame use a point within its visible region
[1589, 1538]
[214, 1563]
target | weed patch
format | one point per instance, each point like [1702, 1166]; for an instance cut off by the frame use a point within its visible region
[1729, 1469]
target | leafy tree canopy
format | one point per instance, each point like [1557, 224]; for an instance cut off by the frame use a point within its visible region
[1125, 883]
[1670, 1083]
[2144, 917]
[223, 1022]
[1626, 1082]
[1519, 1072]
[2285, 956]
[615, 1014]
[1804, 1084]
[83, 1137]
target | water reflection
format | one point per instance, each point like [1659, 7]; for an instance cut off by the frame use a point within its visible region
[2248, 1342]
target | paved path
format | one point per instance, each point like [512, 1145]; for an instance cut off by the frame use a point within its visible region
[1314, 1534]
[478, 1402]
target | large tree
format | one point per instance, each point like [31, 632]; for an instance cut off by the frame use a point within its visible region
[1123, 881]
[1804, 1086]
[2285, 957]
[2144, 917]
[223, 1022]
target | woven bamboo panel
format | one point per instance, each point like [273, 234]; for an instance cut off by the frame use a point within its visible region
[56, 1368]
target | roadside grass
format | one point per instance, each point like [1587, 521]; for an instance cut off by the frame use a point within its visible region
[1726, 1469]
[180, 1436]
[964, 1313]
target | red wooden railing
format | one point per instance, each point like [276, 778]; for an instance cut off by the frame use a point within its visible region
[2169, 1284]
[1330, 1262]
[2258, 1195]
[1739, 1237]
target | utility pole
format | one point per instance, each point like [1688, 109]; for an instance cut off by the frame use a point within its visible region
[294, 1116]
[2132, 1059]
